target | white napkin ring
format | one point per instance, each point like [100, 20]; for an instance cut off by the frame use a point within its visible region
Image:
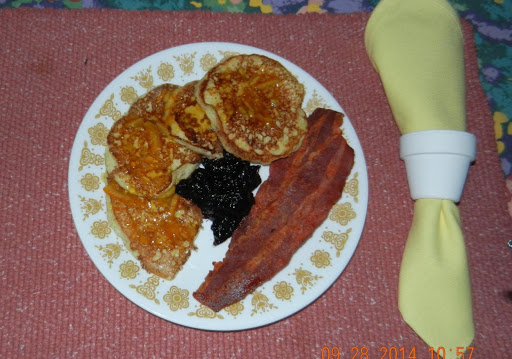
[437, 162]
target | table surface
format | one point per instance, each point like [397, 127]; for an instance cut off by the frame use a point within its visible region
[55, 302]
[492, 30]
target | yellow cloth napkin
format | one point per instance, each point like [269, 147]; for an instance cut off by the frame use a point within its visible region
[416, 46]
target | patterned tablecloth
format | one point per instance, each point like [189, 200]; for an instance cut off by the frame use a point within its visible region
[492, 27]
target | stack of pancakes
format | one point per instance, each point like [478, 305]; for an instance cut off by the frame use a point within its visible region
[248, 105]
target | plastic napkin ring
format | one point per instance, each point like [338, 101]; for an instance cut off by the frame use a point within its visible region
[437, 162]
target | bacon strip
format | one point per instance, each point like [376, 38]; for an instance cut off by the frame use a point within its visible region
[289, 206]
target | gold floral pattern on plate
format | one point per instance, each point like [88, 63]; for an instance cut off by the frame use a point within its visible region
[186, 62]
[321, 259]
[148, 289]
[89, 158]
[109, 109]
[165, 71]
[129, 95]
[207, 62]
[204, 312]
[313, 103]
[176, 298]
[226, 54]
[305, 279]
[352, 187]
[110, 252]
[98, 133]
[260, 303]
[234, 309]
[90, 182]
[283, 290]
[100, 229]
[145, 79]
[129, 269]
[338, 239]
[342, 213]
[312, 270]
[90, 206]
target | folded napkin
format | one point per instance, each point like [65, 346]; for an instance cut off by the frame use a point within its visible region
[417, 49]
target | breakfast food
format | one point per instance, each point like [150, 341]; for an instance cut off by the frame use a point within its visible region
[152, 104]
[159, 232]
[144, 162]
[245, 110]
[222, 189]
[289, 206]
[189, 124]
[141, 155]
[254, 105]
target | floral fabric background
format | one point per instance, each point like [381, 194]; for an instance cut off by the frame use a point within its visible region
[492, 21]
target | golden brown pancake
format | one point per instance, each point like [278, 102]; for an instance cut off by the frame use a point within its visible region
[144, 162]
[142, 156]
[189, 124]
[254, 105]
[152, 104]
[159, 232]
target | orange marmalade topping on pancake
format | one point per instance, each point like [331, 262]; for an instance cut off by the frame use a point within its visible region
[163, 223]
[254, 105]
[188, 122]
[254, 102]
[146, 154]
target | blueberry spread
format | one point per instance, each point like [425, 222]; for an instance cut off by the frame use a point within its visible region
[222, 189]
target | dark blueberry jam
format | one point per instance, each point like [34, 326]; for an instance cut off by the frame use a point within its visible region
[222, 189]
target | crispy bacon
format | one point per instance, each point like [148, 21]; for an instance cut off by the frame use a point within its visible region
[289, 206]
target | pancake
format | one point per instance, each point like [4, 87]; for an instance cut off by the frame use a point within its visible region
[160, 232]
[152, 104]
[142, 156]
[254, 105]
[189, 124]
[144, 161]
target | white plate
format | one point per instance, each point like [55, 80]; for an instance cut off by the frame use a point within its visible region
[312, 270]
